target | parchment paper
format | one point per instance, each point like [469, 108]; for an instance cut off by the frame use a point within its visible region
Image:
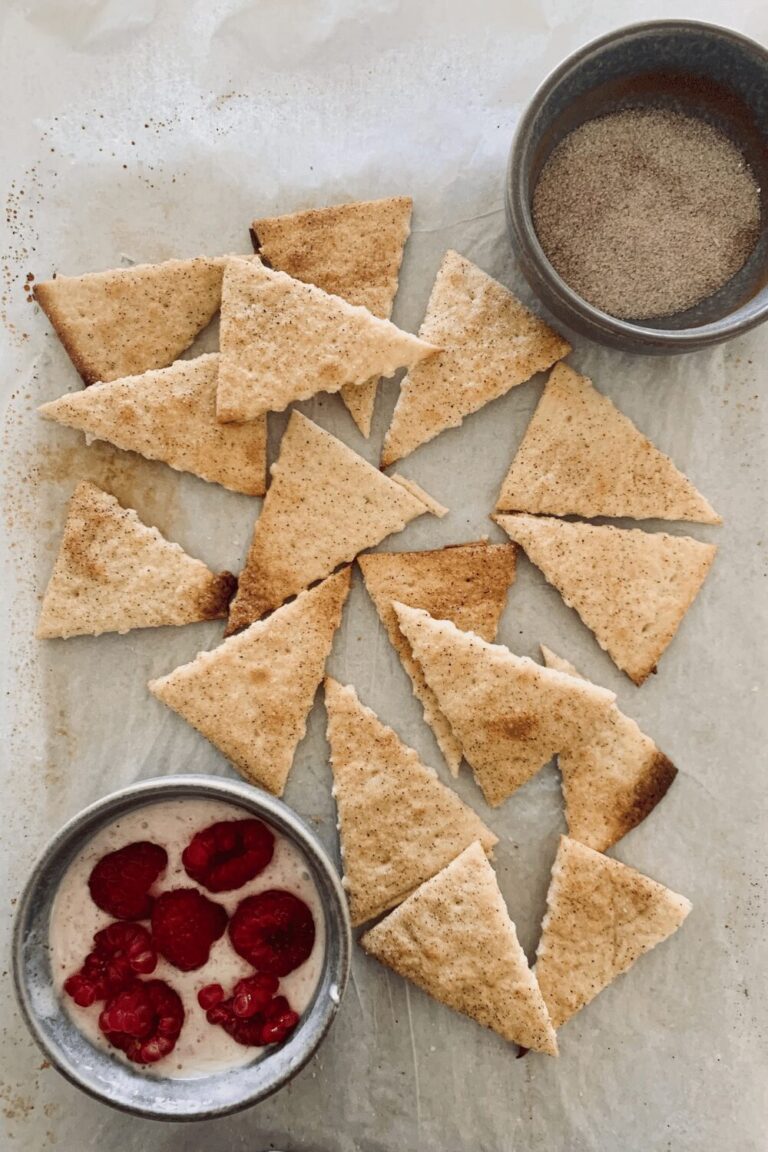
[138, 130]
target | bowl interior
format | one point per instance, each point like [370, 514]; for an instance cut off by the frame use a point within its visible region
[690, 68]
[108, 1077]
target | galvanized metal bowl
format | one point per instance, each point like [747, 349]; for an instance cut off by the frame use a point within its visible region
[105, 1076]
[691, 67]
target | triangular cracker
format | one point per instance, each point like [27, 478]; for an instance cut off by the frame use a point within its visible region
[631, 588]
[465, 583]
[490, 343]
[324, 505]
[284, 340]
[128, 320]
[170, 414]
[251, 696]
[454, 939]
[581, 455]
[350, 250]
[398, 823]
[611, 783]
[509, 714]
[601, 916]
[113, 573]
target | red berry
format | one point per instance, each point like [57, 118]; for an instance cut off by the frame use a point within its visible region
[120, 881]
[121, 951]
[252, 994]
[227, 855]
[274, 931]
[210, 996]
[279, 1021]
[144, 1020]
[269, 1024]
[185, 924]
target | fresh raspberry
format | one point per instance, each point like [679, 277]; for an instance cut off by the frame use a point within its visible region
[210, 996]
[185, 924]
[274, 931]
[120, 881]
[144, 1020]
[252, 994]
[279, 1021]
[227, 855]
[121, 952]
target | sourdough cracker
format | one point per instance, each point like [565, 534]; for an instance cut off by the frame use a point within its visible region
[114, 573]
[631, 588]
[169, 414]
[251, 696]
[398, 823]
[601, 917]
[350, 250]
[454, 939]
[490, 343]
[464, 583]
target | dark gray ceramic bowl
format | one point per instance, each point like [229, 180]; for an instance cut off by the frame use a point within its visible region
[110, 1079]
[695, 68]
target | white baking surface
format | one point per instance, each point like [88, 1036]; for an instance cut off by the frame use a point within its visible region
[141, 129]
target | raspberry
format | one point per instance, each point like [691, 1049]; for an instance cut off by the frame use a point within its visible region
[120, 882]
[227, 855]
[210, 996]
[122, 951]
[252, 994]
[274, 931]
[269, 1020]
[185, 924]
[144, 1020]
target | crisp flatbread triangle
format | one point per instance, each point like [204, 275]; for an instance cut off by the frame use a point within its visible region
[581, 455]
[324, 505]
[454, 939]
[113, 573]
[350, 250]
[631, 588]
[398, 823]
[490, 343]
[615, 780]
[128, 320]
[601, 916]
[283, 340]
[169, 414]
[251, 696]
[466, 583]
[509, 714]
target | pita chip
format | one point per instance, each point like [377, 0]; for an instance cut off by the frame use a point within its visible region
[601, 916]
[465, 583]
[611, 783]
[631, 588]
[490, 343]
[324, 505]
[349, 250]
[581, 455]
[126, 321]
[169, 414]
[398, 823]
[510, 715]
[454, 939]
[251, 696]
[284, 340]
[113, 573]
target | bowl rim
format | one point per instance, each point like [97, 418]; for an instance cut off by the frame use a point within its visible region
[521, 220]
[288, 823]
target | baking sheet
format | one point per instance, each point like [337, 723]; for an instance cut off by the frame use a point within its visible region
[141, 130]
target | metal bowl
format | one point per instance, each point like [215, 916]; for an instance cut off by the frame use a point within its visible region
[694, 68]
[105, 1076]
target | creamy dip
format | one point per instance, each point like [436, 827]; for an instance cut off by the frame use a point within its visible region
[202, 1049]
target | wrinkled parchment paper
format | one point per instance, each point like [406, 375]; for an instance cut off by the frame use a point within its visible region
[140, 129]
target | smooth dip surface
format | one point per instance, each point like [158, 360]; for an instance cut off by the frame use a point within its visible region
[202, 1049]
